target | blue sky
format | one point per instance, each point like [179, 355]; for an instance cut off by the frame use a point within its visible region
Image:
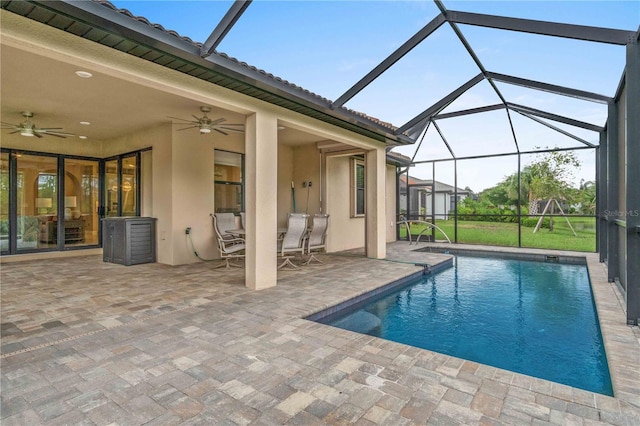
[327, 46]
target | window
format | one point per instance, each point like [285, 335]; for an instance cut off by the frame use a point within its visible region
[229, 180]
[358, 188]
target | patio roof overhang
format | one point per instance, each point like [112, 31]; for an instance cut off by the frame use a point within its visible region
[101, 23]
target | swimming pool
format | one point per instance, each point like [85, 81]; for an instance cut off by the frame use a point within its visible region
[529, 317]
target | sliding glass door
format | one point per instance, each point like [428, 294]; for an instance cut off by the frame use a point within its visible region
[55, 202]
[81, 202]
[36, 202]
[4, 202]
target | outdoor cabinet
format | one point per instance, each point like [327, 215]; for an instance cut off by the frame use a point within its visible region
[129, 240]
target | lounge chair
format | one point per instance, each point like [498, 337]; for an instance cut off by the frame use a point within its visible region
[230, 247]
[226, 222]
[294, 239]
[316, 239]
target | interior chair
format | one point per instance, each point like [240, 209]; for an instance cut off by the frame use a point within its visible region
[230, 247]
[316, 239]
[225, 222]
[294, 240]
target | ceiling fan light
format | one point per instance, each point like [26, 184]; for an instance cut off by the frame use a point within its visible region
[26, 132]
[205, 130]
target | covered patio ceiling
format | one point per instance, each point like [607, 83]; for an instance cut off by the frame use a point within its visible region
[114, 107]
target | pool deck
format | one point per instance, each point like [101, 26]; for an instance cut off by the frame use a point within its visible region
[87, 342]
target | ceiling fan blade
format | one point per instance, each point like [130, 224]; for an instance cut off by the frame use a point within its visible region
[46, 129]
[53, 133]
[182, 119]
[220, 131]
[233, 129]
[37, 135]
[190, 127]
[218, 121]
[15, 131]
[8, 125]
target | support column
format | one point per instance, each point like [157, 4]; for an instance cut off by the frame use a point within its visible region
[601, 197]
[632, 148]
[261, 189]
[613, 266]
[375, 219]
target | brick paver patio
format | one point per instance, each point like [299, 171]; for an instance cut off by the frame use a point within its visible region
[87, 342]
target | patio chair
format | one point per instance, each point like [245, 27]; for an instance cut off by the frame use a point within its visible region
[317, 237]
[230, 247]
[225, 222]
[293, 240]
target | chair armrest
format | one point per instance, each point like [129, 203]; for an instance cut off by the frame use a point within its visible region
[233, 241]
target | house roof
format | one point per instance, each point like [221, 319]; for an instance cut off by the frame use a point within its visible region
[439, 186]
[101, 22]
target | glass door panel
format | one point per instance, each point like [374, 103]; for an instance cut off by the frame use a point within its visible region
[129, 186]
[37, 196]
[4, 201]
[111, 188]
[81, 202]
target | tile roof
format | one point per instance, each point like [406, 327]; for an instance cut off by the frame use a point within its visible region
[142, 19]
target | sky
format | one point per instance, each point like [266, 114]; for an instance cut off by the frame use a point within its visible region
[327, 46]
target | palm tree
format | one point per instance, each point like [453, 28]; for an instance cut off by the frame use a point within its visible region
[526, 187]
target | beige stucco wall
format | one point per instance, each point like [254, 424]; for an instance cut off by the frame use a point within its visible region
[390, 203]
[285, 176]
[306, 168]
[68, 146]
[345, 232]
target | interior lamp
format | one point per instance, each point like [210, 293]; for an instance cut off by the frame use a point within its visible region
[204, 130]
[43, 204]
[70, 202]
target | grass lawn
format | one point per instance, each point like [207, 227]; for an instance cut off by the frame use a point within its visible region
[506, 234]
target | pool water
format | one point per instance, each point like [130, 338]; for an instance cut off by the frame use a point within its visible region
[529, 317]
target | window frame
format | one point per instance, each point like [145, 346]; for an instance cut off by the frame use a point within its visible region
[356, 164]
[238, 184]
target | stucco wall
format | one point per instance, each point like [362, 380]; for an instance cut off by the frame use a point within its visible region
[285, 176]
[345, 232]
[50, 144]
[390, 203]
[306, 168]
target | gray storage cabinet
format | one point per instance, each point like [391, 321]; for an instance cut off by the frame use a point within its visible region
[129, 240]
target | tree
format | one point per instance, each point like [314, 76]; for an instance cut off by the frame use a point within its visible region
[585, 197]
[549, 177]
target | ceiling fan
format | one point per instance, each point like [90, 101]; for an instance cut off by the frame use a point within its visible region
[28, 128]
[206, 125]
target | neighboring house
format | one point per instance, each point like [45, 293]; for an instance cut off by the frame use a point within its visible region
[136, 100]
[429, 197]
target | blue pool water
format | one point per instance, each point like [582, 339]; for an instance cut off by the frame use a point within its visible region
[529, 317]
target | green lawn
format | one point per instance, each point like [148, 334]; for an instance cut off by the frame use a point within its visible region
[506, 234]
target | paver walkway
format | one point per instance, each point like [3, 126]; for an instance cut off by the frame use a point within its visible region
[87, 342]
